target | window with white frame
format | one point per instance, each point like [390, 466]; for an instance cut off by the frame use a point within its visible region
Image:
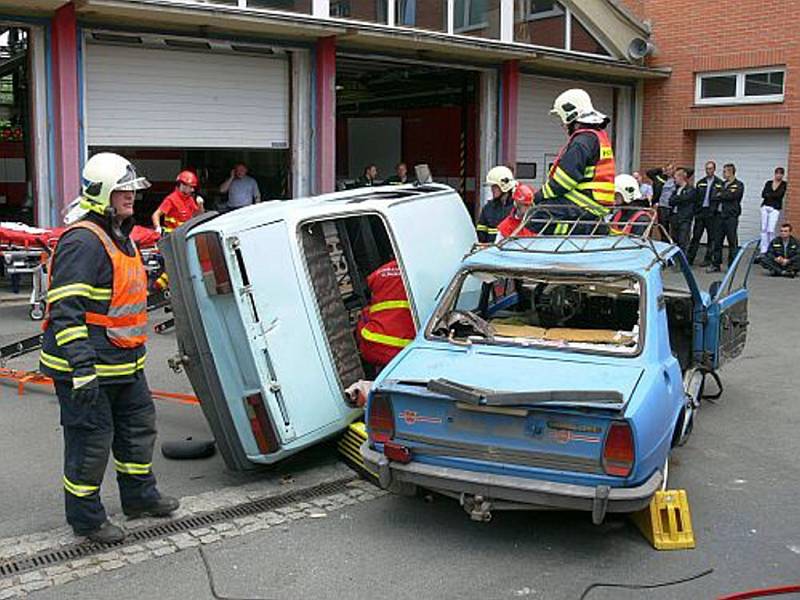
[741, 87]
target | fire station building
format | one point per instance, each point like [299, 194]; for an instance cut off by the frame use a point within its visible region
[732, 96]
[306, 92]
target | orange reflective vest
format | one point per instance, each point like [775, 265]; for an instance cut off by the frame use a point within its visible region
[126, 320]
[594, 192]
[177, 208]
[385, 326]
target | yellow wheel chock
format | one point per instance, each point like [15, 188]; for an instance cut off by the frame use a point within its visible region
[667, 522]
[350, 448]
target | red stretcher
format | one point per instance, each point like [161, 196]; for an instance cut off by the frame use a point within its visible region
[26, 249]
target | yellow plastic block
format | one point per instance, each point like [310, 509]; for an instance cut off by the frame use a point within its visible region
[667, 521]
[350, 447]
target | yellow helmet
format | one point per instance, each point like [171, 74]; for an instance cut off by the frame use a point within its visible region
[103, 174]
[502, 177]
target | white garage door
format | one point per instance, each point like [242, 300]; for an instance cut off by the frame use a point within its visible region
[539, 135]
[167, 98]
[756, 153]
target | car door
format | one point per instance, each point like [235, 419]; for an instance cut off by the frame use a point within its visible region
[728, 322]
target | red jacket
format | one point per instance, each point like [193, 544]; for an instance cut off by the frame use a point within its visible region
[385, 326]
[177, 208]
[509, 224]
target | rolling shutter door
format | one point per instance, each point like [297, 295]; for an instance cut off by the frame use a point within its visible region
[149, 97]
[539, 135]
[756, 153]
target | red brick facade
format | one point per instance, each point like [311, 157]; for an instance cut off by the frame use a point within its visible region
[691, 39]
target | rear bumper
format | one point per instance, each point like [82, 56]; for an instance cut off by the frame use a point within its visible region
[599, 500]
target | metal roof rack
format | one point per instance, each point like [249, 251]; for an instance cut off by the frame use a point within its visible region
[578, 235]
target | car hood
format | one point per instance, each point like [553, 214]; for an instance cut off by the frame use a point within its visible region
[499, 370]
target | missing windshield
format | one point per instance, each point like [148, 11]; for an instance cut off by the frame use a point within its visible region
[576, 312]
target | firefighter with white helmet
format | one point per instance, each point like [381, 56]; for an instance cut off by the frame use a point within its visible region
[580, 185]
[633, 213]
[503, 184]
[93, 348]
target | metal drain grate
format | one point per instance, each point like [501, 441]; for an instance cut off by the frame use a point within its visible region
[49, 558]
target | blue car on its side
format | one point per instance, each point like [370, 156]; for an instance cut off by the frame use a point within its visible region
[556, 373]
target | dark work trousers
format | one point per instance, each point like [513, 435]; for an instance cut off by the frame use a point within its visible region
[769, 263]
[560, 216]
[663, 213]
[680, 230]
[122, 419]
[703, 223]
[726, 229]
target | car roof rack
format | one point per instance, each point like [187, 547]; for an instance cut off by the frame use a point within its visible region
[576, 235]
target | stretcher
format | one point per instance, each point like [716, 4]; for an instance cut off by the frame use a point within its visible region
[26, 250]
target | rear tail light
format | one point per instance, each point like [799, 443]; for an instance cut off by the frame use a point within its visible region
[380, 420]
[212, 263]
[261, 424]
[618, 451]
[396, 452]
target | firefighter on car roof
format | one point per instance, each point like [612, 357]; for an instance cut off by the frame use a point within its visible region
[579, 191]
[385, 326]
[503, 184]
[93, 348]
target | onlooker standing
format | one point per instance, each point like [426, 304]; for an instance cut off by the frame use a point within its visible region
[645, 188]
[682, 207]
[369, 177]
[708, 189]
[727, 221]
[663, 188]
[783, 256]
[400, 175]
[242, 189]
[773, 193]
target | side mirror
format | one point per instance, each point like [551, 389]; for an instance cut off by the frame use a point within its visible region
[714, 289]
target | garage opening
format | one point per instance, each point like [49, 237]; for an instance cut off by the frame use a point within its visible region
[391, 112]
[16, 139]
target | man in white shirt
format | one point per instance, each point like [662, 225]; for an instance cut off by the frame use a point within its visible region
[645, 188]
[242, 189]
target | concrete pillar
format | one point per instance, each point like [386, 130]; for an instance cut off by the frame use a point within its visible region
[509, 112]
[325, 58]
[66, 110]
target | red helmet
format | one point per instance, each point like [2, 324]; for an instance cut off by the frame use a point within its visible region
[187, 178]
[524, 194]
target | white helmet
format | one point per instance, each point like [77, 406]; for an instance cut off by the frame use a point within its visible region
[502, 177]
[575, 105]
[627, 187]
[103, 174]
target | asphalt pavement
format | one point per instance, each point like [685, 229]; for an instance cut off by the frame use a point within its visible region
[739, 468]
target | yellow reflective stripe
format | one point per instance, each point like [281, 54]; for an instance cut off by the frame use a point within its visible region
[78, 289]
[596, 185]
[68, 334]
[79, 490]
[81, 381]
[389, 305]
[586, 203]
[605, 197]
[589, 171]
[133, 468]
[386, 340]
[482, 227]
[59, 364]
[547, 191]
[140, 362]
[54, 362]
[492, 230]
[563, 178]
[561, 229]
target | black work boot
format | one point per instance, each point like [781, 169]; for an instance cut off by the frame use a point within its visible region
[163, 507]
[107, 533]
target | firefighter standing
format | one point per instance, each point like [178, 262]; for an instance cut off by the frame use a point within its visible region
[502, 181]
[93, 347]
[385, 326]
[633, 214]
[180, 206]
[580, 185]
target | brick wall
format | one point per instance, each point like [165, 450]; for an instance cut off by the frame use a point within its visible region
[731, 35]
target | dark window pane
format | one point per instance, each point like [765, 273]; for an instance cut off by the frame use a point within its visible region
[763, 84]
[422, 14]
[583, 41]
[301, 6]
[723, 86]
[372, 11]
[480, 18]
[540, 23]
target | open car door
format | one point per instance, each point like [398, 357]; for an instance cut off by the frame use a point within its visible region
[726, 333]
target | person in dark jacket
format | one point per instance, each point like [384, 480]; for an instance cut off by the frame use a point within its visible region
[783, 256]
[727, 221]
[368, 178]
[663, 188]
[682, 208]
[494, 212]
[708, 189]
[400, 176]
[93, 348]
[771, 206]
[579, 191]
